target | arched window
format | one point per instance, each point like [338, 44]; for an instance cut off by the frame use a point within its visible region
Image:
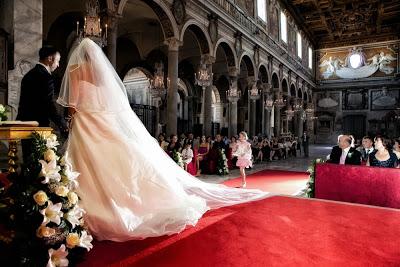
[262, 10]
[283, 27]
[299, 45]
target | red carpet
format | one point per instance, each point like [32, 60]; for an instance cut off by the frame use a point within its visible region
[277, 231]
[279, 182]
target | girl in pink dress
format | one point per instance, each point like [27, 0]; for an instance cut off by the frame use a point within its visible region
[243, 153]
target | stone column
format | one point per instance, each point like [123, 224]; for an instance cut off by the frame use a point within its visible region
[28, 34]
[233, 118]
[112, 35]
[277, 121]
[172, 100]
[207, 121]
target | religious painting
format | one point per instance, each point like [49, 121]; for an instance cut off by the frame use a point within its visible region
[328, 101]
[355, 100]
[385, 99]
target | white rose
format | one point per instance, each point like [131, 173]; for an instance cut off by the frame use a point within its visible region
[318, 160]
[52, 137]
[72, 240]
[72, 198]
[44, 231]
[62, 191]
[50, 155]
[2, 108]
[40, 198]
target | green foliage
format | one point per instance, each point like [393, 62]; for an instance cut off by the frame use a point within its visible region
[310, 189]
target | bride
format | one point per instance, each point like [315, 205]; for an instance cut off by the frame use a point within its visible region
[130, 188]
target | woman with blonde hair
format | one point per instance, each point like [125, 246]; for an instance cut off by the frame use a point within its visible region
[243, 153]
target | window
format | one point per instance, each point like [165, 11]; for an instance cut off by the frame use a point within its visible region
[355, 61]
[310, 59]
[262, 10]
[299, 47]
[283, 27]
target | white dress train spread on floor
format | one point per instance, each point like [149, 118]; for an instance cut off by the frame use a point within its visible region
[130, 188]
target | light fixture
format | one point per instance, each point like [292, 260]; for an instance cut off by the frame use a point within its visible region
[298, 105]
[254, 92]
[310, 108]
[279, 101]
[156, 86]
[289, 112]
[203, 77]
[269, 103]
[92, 25]
[233, 94]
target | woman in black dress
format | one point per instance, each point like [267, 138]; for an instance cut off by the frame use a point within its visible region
[383, 155]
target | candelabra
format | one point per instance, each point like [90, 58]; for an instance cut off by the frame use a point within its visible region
[279, 101]
[92, 26]
[269, 103]
[254, 93]
[298, 105]
[203, 77]
[157, 87]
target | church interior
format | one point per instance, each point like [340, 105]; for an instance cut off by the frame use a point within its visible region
[313, 85]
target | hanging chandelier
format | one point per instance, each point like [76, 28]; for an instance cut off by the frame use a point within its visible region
[92, 25]
[289, 112]
[269, 103]
[204, 76]
[233, 94]
[254, 92]
[156, 86]
[310, 108]
[298, 105]
[279, 101]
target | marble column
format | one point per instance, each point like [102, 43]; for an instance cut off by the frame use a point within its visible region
[277, 121]
[233, 118]
[28, 34]
[207, 98]
[172, 94]
[112, 36]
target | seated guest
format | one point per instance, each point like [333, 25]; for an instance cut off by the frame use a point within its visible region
[174, 145]
[219, 143]
[344, 153]
[190, 139]
[383, 156]
[366, 148]
[161, 141]
[204, 148]
[396, 148]
[187, 155]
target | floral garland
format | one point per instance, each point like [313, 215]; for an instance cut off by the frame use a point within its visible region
[3, 113]
[44, 223]
[310, 188]
[222, 163]
[177, 157]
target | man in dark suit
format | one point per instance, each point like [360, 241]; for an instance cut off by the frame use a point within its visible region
[344, 153]
[37, 95]
[367, 147]
[305, 140]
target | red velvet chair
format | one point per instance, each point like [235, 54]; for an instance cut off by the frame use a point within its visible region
[358, 184]
[192, 168]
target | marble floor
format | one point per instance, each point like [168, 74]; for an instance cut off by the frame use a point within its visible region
[299, 163]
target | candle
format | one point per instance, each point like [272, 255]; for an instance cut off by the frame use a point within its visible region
[106, 29]
[77, 27]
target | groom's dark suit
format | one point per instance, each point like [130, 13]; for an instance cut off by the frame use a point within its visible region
[36, 102]
[353, 156]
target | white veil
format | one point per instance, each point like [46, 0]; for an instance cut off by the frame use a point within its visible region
[88, 64]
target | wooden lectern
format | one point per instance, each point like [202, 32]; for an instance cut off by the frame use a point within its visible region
[14, 134]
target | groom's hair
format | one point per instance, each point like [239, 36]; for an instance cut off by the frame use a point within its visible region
[47, 51]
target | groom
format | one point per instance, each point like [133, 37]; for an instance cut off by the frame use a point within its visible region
[37, 94]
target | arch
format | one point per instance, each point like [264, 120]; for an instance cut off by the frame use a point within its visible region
[162, 11]
[285, 87]
[263, 74]
[183, 87]
[229, 52]
[299, 93]
[201, 35]
[249, 64]
[275, 81]
[293, 91]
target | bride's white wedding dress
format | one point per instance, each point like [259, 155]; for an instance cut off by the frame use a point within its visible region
[130, 188]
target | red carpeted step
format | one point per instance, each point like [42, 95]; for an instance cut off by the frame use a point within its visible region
[279, 182]
[277, 231]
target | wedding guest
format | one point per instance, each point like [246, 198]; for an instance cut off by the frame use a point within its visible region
[383, 156]
[219, 143]
[232, 146]
[161, 141]
[396, 148]
[243, 153]
[190, 139]
[187, 155]
[343, 153]
[174, 145]
[204, 148]
[305, 139]
[366, 148]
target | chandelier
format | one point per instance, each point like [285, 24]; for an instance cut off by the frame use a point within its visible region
[289, 113]
[92, 26]
[203, 77]
[156, 86]
[254, 92]
[310, 108]
[298, 105]
[233, 94]
[279, 101]
[269, 103]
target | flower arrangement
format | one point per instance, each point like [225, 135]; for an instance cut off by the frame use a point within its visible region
[222, 163]
[177, 157]
[3, 113]
[310, 188]
[43, 220]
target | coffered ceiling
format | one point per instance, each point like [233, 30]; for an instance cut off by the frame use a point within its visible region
[332, 23]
